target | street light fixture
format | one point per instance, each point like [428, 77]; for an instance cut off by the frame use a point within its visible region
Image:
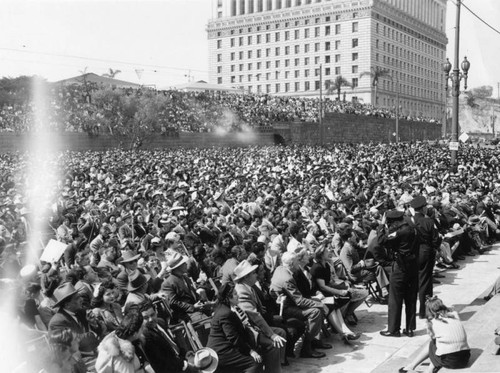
[456, 76]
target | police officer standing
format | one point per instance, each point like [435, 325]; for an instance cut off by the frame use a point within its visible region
[429, 241]
[399, 237]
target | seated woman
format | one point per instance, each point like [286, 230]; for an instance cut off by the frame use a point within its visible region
[105, 305]
[321, 277]
[229, 338]
[448, 346]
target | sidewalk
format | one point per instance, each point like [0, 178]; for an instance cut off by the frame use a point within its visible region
[462, 289]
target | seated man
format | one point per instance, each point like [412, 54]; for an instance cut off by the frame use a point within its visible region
[181, 294]
[271, 339]
[296, 305]
[161, 350]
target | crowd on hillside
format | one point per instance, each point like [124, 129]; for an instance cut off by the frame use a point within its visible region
[74, 108]
[270, 245]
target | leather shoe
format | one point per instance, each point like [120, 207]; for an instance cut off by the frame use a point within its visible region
[313, 354]
[408, 333]
[460, 257]
[321, 345]
[386, 333]
[353, 336]
[438, 275]
[436, 281]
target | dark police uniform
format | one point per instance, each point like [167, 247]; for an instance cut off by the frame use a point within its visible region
[429, 241]
[401, 241]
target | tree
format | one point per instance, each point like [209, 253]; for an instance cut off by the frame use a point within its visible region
[375, 74]
[482, 92]
[112, 73]
[336, 86]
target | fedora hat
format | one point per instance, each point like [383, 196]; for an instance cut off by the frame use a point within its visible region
[243, 269]
[63, 292]
[206, 360]
[136, 280]
[129, 256]
[176, 261]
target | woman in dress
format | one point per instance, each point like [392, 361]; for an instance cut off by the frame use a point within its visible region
[105, 305]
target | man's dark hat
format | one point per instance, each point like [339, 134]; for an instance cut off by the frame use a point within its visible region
[395, 214]
[418, 202]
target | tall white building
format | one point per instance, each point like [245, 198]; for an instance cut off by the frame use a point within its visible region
[279, 46]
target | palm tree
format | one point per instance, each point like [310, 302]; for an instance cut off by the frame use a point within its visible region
[112, 73]
[336, 85]
[375, 74]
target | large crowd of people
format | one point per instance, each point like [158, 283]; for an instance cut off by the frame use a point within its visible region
[273, 247]
[96, 110]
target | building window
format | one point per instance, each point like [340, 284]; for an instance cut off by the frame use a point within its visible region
[355, 26]
[249, 77]
[219, 57]
[297, 49]
[249, 40]
[337, 44]
[240, 41]
[232, 68]
[337, 29]
[297, 34]
[241, 67]
[354, 56]
[219, 80]
[232, 42]
[327, 71]
[259, 65]
[354, 82]
[277, 36]
[306, 33]
[268, 64]
[355, 15]
[268, 52]
[287, 87]
[268, 38]
[297, 62]
[306, 48]
[232, 56]
[316, 60]
[277, 63]
[287, 35]
[337, 70]
[249, 54]
[268, 88]
[316, 31]
[354, 69]
[268, 76]
[277, 51]
[287, 74]
[327, 59]
[219, 69]
[337, 17]
[233, 79]
[219, 44]
[306, 86]
[327, 30]
[297, 73]
[258, 53]
[306, 73]
[249, 67]
[287, 50]
[354, 43]
[258, 38]
[297, 86]
[306, 60]
[337, 58]
[327, 46]
[316, 85]
[316, 47]
[287, 62]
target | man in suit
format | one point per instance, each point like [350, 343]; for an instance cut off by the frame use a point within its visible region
[428, 237]
[271, 339]
[296, 305]
[181, 294]
[71, 315]
[159, 345]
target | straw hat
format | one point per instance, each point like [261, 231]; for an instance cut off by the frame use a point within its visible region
[176, 261]
[128, 256]
[243, 269]
[206, 360]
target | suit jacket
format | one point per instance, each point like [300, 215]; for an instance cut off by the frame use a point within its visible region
[160, 353]
[63, 320]
[306, 288]
[249, 302]
[228, 335]
[428, 235]
[283, 283]
[181, 296]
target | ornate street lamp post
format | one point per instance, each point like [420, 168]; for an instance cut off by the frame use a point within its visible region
[455, 78]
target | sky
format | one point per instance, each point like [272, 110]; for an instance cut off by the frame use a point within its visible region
[164, 42]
